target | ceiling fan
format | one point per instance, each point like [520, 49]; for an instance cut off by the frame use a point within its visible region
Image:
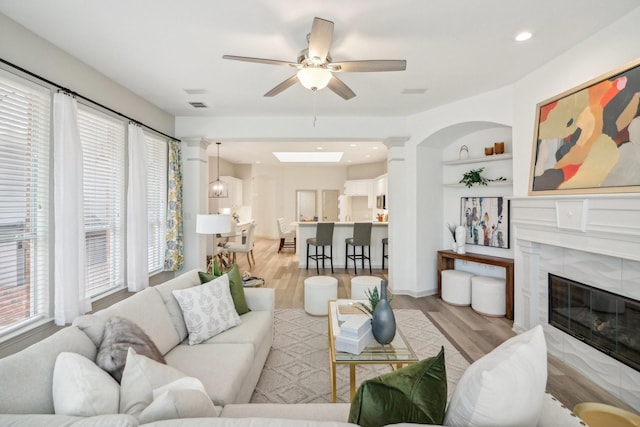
[316, 68]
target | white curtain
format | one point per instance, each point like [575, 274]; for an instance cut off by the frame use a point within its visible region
[137, 220]
[70, 259]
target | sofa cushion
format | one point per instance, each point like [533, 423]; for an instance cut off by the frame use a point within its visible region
[299, 411]
[235, 286]
[414, 394]
[51, 420]
[506, 387]
[147, 310]
[255, 327]
[207, 309]
[119, 335]
[140, 377]
[82, 389]
[28, 389]
[222, 368]
[184, 281]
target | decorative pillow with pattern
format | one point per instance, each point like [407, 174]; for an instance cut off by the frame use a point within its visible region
[208, 309]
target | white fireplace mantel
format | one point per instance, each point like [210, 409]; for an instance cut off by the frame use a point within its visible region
[593, 239]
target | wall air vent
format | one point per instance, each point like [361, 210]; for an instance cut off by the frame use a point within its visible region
[198, 104]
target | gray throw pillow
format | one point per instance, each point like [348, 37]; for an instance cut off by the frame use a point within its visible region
[119, 335]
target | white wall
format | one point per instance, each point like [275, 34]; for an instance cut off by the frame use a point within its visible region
[35, 54]
[607, 50]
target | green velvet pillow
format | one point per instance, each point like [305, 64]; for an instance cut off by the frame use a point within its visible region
[414, 394]
[237, 290]
[235, 286]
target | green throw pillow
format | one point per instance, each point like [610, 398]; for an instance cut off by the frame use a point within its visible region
[237, 290]
[235, 286]
[414, 394]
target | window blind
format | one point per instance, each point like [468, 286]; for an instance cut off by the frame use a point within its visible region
[103, 148]
[157, 155]
[25, 111]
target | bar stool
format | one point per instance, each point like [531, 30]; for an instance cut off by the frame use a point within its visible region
[385, 243]
[324, 237]
[361, 237]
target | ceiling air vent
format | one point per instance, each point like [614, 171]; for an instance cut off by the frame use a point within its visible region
[414, 91]
[198, 104]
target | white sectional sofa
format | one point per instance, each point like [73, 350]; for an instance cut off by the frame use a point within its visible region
[228, 365]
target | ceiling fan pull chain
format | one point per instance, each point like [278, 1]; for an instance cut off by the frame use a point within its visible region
[315, 93]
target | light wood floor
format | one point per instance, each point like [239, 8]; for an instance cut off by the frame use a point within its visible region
[474, 335]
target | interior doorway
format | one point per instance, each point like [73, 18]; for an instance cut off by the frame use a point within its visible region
[330, 205]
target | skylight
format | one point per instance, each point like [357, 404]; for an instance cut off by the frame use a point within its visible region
[308, 157]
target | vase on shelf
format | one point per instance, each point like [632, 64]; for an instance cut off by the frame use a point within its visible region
[461, 236]
[383, 322]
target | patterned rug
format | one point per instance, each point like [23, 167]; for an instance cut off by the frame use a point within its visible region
[297, 368]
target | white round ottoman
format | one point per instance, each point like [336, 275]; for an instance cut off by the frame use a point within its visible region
[318, 291]
[361, 284]
[488, 296]
[456, 287]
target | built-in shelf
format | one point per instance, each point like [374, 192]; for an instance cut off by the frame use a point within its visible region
[489, 184]
[494, 158]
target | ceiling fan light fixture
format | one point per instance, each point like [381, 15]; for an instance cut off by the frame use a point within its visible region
[314, 78]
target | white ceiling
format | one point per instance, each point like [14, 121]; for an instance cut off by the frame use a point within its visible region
[454, 48]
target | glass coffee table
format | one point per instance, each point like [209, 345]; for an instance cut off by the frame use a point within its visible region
[397, 353]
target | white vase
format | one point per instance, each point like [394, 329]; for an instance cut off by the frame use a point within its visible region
[461, 235]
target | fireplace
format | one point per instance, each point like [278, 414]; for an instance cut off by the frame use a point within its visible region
[590, 241]
[601, 319]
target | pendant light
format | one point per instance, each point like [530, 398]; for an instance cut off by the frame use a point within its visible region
[218, 189]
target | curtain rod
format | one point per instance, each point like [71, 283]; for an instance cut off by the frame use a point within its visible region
[77, 95]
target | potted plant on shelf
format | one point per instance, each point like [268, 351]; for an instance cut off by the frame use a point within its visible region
[474, 176]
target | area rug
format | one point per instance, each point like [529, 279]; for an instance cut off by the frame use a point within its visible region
[297, 368]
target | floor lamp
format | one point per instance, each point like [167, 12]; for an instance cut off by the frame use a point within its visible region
[213, 224]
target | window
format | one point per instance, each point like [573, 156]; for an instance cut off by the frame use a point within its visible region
[103, 148]
[25, 111]
[156, 200]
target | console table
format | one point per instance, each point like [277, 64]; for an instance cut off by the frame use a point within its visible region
[446, 261]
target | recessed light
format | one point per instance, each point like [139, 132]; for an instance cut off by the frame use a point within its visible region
[319, 148]
[525, 35]
[348, 161]
[376, 147]
[353, 145]
[258, 162]
[308, 157]
[368, 155]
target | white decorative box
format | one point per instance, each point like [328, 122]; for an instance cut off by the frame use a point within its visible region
[355, 326]
[354, 346]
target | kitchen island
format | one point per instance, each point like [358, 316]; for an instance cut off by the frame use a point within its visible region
[341, 231]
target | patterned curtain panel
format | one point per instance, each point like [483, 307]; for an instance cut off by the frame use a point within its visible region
[174, 256]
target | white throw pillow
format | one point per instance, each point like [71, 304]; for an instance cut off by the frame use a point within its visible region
[207, 309]
[140, 377]
[505, 387]
[81, 388]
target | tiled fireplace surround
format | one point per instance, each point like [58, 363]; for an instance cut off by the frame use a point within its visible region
[590, 239]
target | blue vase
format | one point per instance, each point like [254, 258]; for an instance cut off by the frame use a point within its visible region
[383, 322]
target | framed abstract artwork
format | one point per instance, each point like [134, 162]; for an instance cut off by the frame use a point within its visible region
[587, 140]
[486, 220]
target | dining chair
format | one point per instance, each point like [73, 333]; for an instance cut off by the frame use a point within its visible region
[246, 246]
[286, 234]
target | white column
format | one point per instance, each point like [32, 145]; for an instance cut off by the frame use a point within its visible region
[195, 175]
[526, 295]
[402, 236]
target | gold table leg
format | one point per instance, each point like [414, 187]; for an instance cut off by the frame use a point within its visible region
[352, 381]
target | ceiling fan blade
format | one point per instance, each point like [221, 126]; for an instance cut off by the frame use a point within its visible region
[320, 39]
[341, 89]
[366, 66]
[282, 86]
[260, 60]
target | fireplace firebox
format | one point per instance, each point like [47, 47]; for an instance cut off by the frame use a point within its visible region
[606, 321]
